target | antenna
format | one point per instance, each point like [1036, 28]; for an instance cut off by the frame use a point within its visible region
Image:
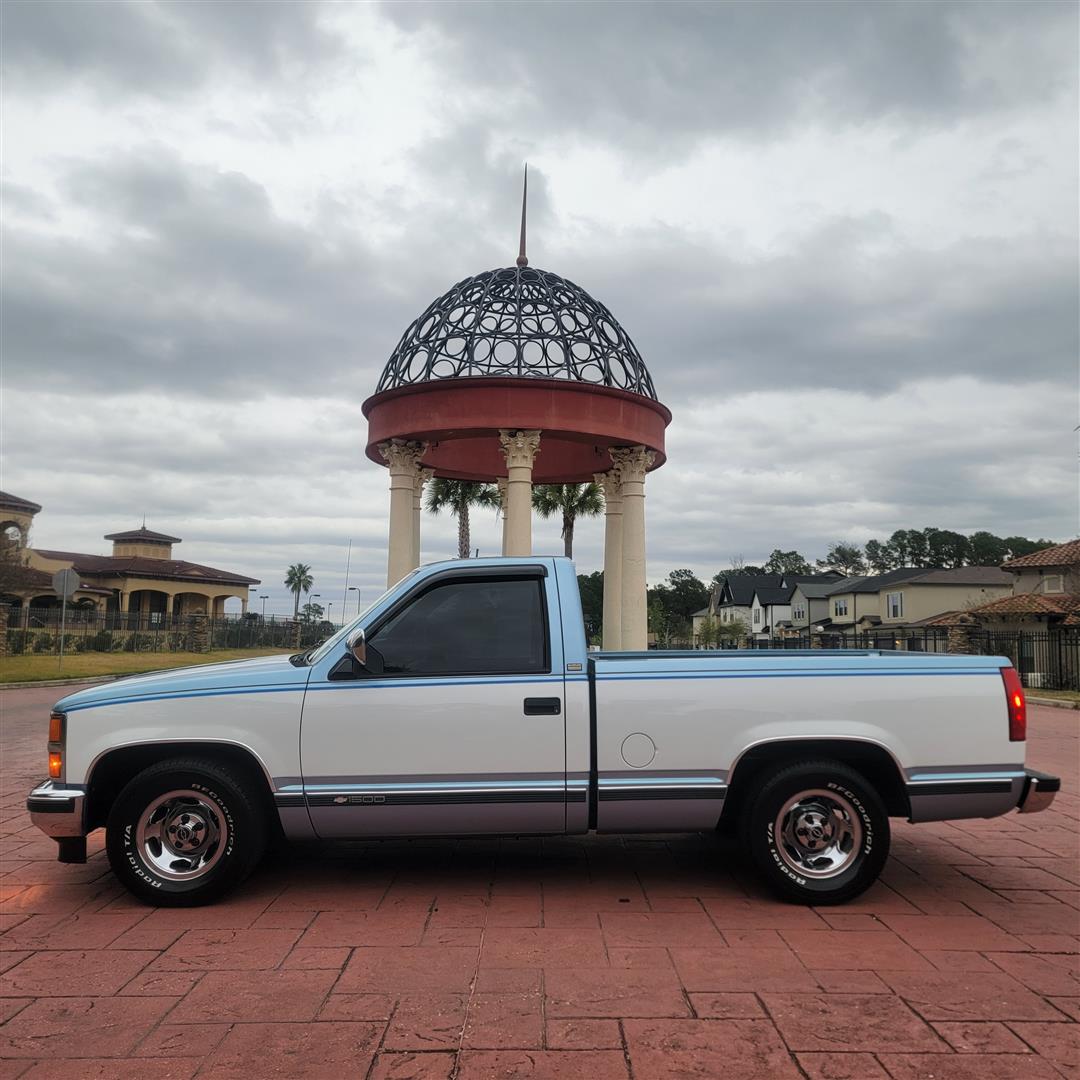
[522, 259]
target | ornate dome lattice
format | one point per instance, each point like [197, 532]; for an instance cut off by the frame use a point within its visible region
[520, 322]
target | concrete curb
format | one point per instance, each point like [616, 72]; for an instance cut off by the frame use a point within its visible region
[1053, 703]
[66, 682]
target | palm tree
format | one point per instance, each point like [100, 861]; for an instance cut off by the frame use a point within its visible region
[457, 496]
[572, 501]
[298, 579]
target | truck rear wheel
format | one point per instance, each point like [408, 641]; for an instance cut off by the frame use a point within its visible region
[818, 832]
[185, 831]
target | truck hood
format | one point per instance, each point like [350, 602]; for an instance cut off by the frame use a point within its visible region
[259, 671]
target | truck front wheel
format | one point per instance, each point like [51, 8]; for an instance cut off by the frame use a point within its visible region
[185, 831]
[818, 832]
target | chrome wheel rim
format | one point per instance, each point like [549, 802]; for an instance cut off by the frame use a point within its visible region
[818, 833]
[181, 835]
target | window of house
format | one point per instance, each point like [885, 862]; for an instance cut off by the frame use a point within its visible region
[894, 603]
[839, 607]
[757, 616]
[1053, 583]
[798, 613]
[477, 626]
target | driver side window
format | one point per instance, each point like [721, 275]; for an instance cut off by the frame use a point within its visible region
[474, 626]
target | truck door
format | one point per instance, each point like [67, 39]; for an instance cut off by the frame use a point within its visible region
[455, 723]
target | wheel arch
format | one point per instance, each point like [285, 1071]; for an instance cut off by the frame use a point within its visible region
[873, 760]
[112, 769]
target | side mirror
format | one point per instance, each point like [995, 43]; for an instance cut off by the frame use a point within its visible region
[358, 648]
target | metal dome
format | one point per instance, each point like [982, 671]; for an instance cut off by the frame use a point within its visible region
[519, 322]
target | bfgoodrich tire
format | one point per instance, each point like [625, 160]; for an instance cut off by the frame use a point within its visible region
[818, 832]
[184, 832]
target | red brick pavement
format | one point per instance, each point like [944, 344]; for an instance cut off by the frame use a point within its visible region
[650, 957]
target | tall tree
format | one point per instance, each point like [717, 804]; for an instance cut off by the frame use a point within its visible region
[946, 548]
[1021, 545]
[298, 579]
[847, 558]
[591, 588]
[986, 549]
[787, 562]
[457, 496]
[571, 501]
[918, 547]
[682, 594]
[880, 557]
[312, 612]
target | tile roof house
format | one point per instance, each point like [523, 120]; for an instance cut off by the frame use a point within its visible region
[1045, 592]
[139, 577]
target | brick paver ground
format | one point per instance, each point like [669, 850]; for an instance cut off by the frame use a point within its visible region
[586, 958]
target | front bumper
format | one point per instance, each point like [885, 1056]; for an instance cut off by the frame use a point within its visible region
[1038, 791]
[57, 811]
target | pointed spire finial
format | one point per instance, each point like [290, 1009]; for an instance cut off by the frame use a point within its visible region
[522, 259]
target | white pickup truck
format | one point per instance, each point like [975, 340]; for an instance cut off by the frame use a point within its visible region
[465, 702]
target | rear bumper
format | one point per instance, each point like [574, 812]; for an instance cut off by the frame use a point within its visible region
[1038, 791]
[57, 811]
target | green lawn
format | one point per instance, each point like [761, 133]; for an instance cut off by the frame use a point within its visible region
[79, 665]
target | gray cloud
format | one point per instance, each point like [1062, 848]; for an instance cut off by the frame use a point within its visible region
[157, 47]
[196, 333]
[648, 73]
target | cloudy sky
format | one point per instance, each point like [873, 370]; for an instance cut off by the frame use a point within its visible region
[843, 236]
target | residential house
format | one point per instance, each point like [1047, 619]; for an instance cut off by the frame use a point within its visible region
[1045, 592]
[910, 602]
[910, 595]
[736, 596]
[810, 602]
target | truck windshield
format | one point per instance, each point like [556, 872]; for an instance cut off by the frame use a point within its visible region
[314, 655]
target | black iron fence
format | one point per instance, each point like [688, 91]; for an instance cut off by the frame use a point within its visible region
[1045, 659]
[37, 630]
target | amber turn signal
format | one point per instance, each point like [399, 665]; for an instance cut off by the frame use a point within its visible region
[56, 764]
[56, 727]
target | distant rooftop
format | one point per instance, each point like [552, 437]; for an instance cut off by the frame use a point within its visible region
[144, 534]
[1058, 555]
[13, 502]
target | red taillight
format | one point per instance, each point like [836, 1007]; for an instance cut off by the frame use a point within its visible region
[1014, 698]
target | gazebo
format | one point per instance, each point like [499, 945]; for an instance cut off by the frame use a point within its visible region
[518, 376]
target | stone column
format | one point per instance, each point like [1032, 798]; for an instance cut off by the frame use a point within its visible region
[403, 457]
[502, 484]
[243, 605]
[608, 482]
[960, 634]
[633, 462]
[419, 481]
[520, 449]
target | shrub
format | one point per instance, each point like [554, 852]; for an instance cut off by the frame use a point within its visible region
[43, 642]
[99, 642]
[17, 642]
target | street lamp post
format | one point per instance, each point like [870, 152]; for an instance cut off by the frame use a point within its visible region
[264, 597]
[353, 588]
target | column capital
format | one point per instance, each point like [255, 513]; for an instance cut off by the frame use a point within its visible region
[402, 455]
[610, 485]
[519, 447]
[632, 463]
[423, 475]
